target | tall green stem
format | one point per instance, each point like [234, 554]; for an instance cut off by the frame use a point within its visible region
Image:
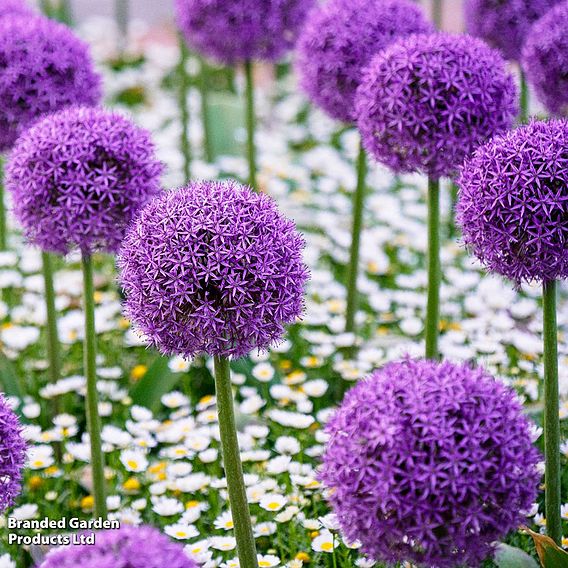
[434, 271]
[121, 13]
[184, 109]
[3, 224]
[251, 124]
[358, 207]
[52, 335]
[232, 463]
[93, 418]
[437, 13]
[551, 414]
[524, 101]
[204, 92]
[452, 215]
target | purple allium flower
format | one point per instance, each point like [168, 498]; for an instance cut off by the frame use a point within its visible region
[430, 462]
[338, 41]
[513, 202]
[504, 23]
[15, 8]
[236, 31]
[212, 268]
[127, 547]
[79, 176]
[545, 59]
[427, 101]
[12, 455]
[44, 67]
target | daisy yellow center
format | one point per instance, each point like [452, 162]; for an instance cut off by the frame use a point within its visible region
[132, 463]
[273, 505]
[327, 546]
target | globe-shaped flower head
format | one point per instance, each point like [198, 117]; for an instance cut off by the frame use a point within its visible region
[545, 59]
[12, 455]
[212, 268]
[338, 41]
[79, 176]
[513, 203]
[128, 547]
[241, 30]
[44, 67]
[427, 101]
[504, 23]
[15, 8]
[430, 463]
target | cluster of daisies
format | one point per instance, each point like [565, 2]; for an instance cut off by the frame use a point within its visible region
[237, 445]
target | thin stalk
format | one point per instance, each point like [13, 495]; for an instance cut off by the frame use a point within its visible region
[3, 223]
[204, 92]
[121, 13]
[434, 271]
[184, 109]
[452, 214]
[251, 124]
[93, 418]
[551, 414]
[53, 352]
[246, 548]
[524, 100]
[358, 207]
[437, 13]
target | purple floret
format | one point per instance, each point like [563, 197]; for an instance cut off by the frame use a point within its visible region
[430, 463]
[545, 59]
[127, 547]
[79, 176]
[44, 67]
[241, 30]
[427, 101]
[212, 268]
[513, 203]
[12, 455]
[338, 41]
[505, 23]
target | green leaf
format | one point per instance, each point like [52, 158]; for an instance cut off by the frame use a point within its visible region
[550, 554]
[157, 381]
[8, 379]
[508, 556]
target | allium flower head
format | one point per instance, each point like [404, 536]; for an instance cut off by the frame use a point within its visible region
[44, 67]
[79, 176]
[513, 202]
[236, 31]
[212, 268]
[12, 455]
[430, 463]
[427, 101]
[545, 59]
[341, 37]
[15, 8]
[504, 23]
[127, 547]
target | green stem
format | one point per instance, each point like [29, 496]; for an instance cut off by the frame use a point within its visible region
[358, 207]
[453, 204]
[3, 223]
[434, 272]
[524, 100]
[232, 463]
[121, 13]
[52, 335]
[184, 109]
[93, 418]
[437, 13]
[204, 92]
[251, 124]
[551, 414]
